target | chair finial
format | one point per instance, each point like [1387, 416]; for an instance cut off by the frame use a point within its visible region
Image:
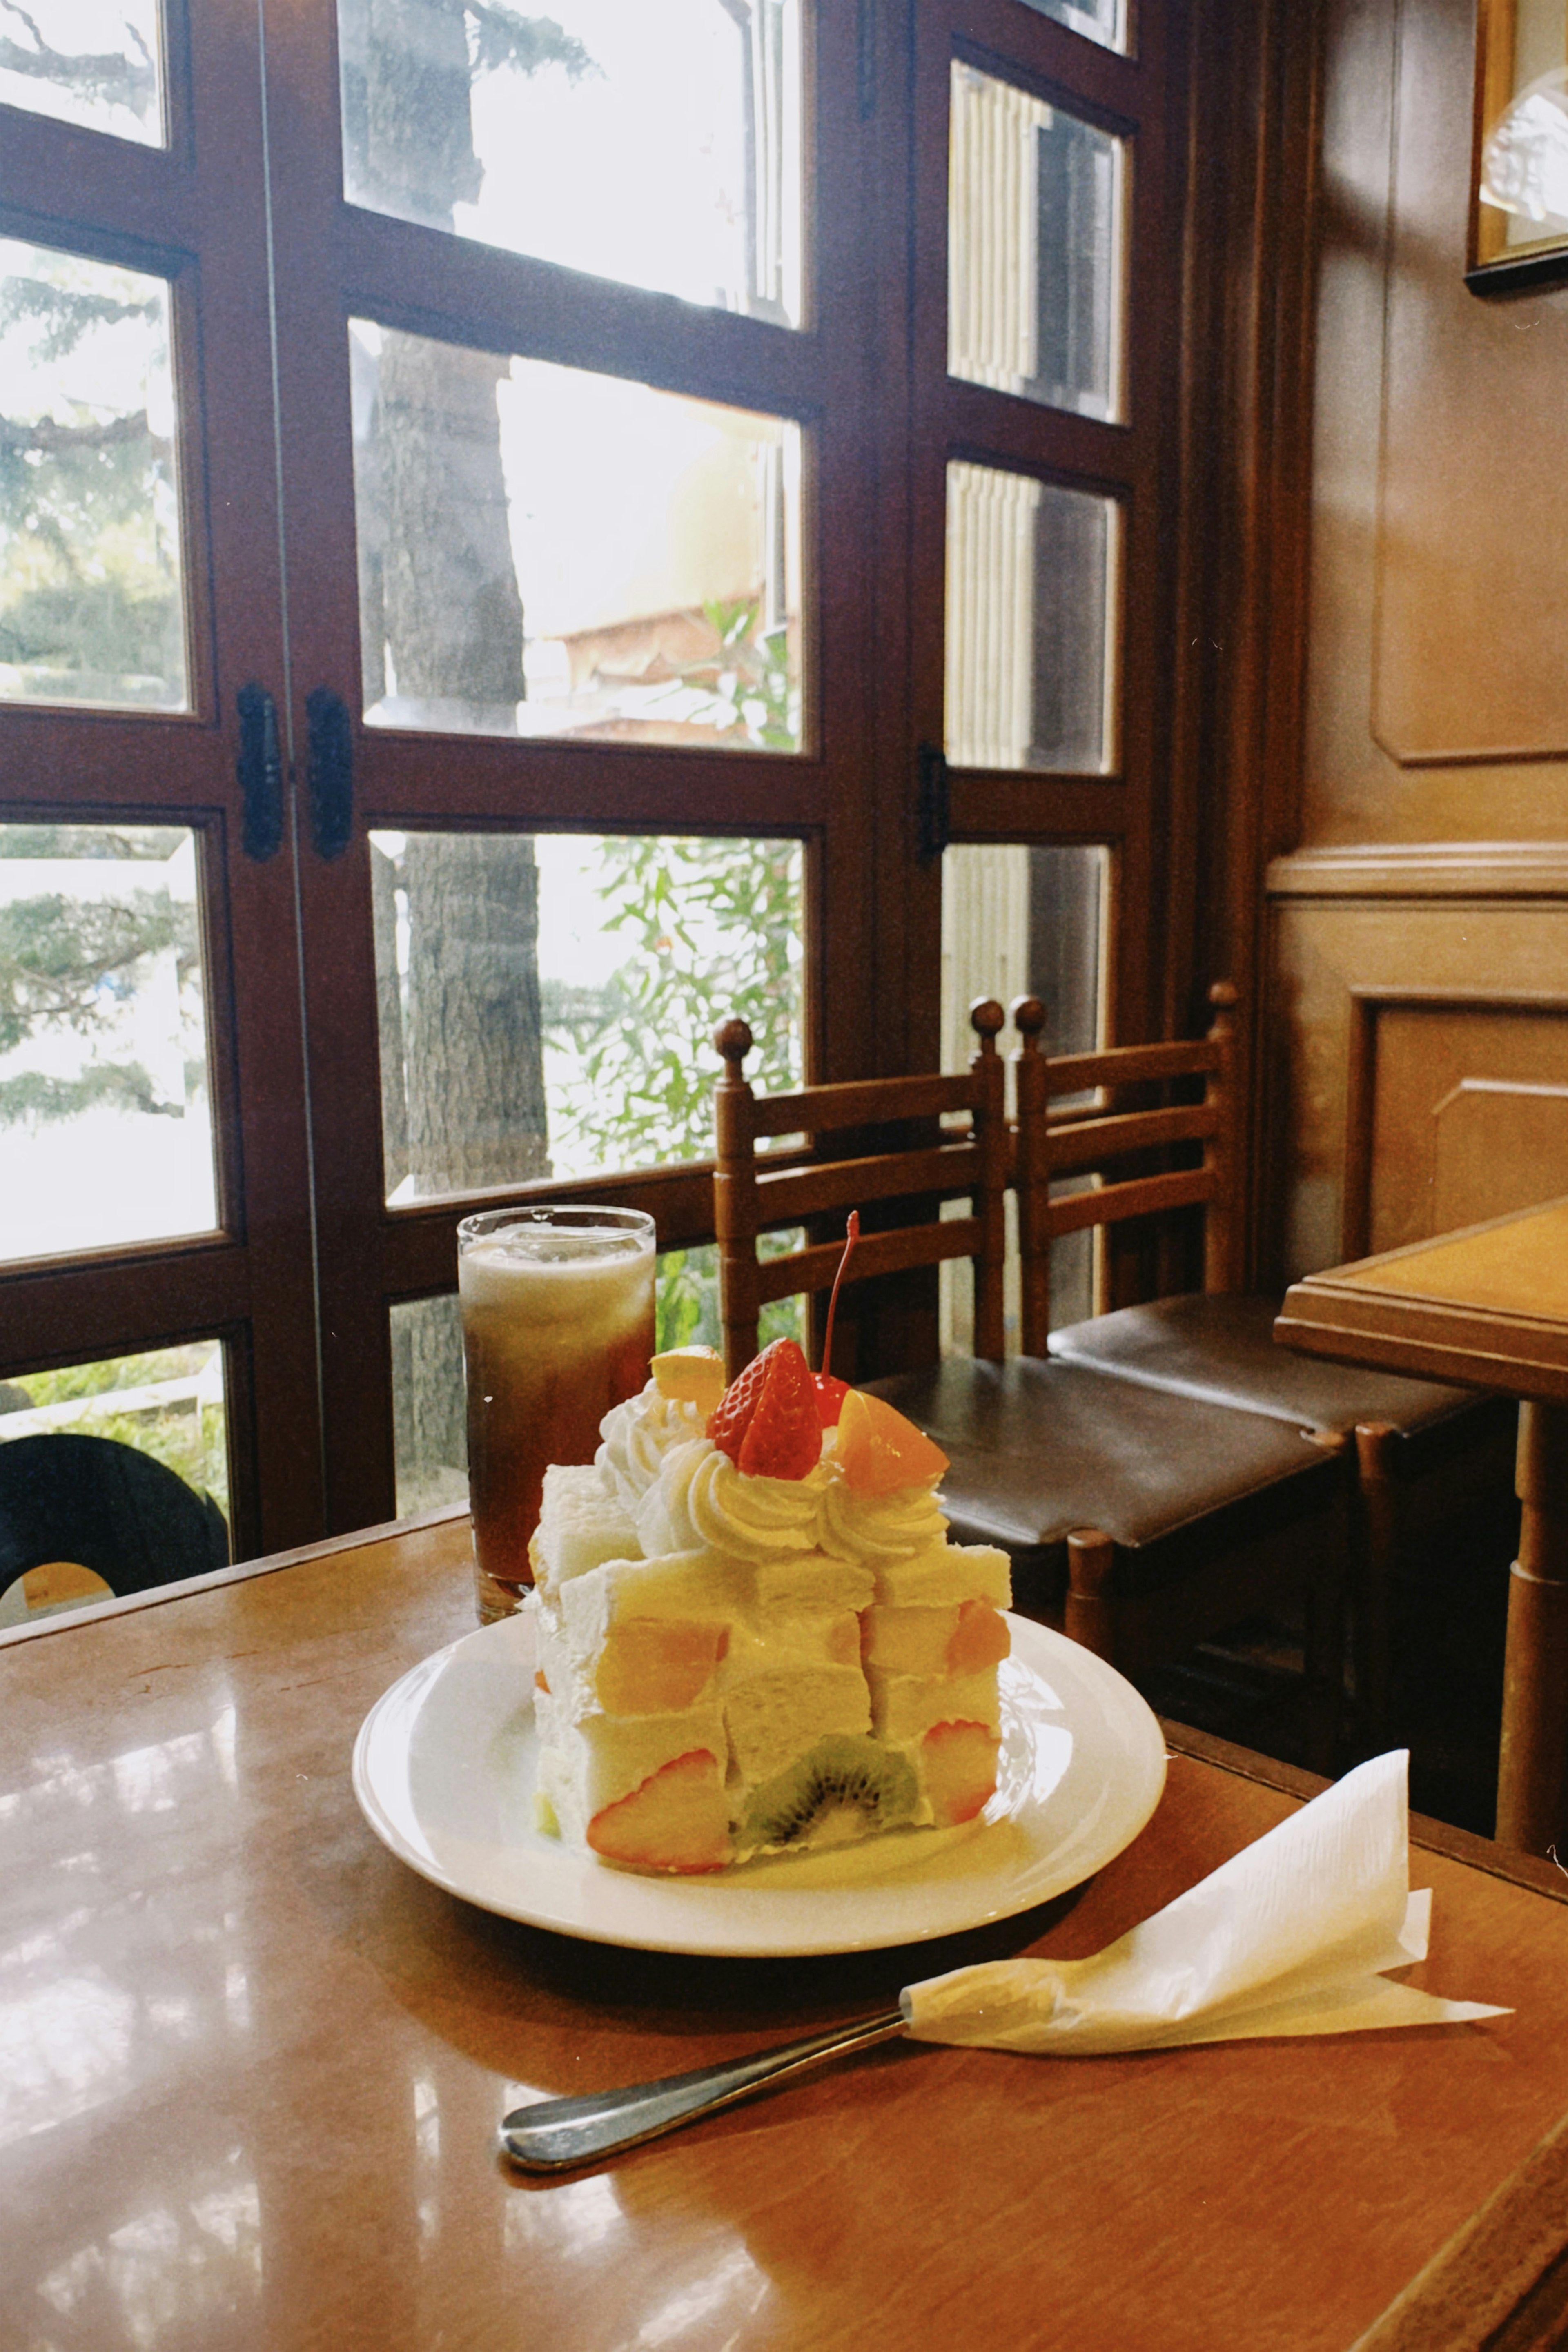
[1028, 1017]
[985, 1018]
[733, 1038]
[1224, 996]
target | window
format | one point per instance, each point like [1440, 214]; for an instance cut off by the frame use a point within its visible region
[454, 652]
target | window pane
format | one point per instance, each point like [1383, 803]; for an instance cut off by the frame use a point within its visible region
[1031, 602]
[93, 62]
[1023, 921]
[90, 604]
[430, 1430]
[1104, 21]
[106, 1131]
[542, 552]
[655, 145]
[547, 1004]
[1034, 248]
[169, 1403]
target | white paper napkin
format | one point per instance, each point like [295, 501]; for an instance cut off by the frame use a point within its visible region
[1289, 1937]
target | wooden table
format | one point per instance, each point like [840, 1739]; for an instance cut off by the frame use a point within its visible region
[1487, 1308]
[253, 2068]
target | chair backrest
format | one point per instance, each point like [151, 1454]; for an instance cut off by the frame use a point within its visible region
[1103, 1141]
[750, 1197]
[106, 1507]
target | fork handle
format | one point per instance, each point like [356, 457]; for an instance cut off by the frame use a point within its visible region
[554, 2134]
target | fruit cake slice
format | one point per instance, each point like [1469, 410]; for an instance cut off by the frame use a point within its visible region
[813, 1663]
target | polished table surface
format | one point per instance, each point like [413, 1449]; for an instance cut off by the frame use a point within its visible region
[1488, 1308]
[251, 2068]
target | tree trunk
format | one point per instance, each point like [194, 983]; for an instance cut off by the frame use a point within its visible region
[476, 1079]
[462, 1073]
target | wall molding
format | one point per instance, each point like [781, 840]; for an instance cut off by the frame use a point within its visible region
[1423, 869]
[1367, 1005]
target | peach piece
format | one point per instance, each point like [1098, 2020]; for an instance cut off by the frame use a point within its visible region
[539, 1681]
[982, 1639]
[879, 1451]
[675, 1820]
[656, 1665]
[693, 1375]
[843, 1643]
[909, 1640]
[960, 1762]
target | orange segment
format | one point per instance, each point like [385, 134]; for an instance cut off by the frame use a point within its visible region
[981, 1639]
[655, 1665]
[878, 1451]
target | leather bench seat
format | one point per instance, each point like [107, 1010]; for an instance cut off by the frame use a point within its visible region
[1039, 1450]
[1219, 1348]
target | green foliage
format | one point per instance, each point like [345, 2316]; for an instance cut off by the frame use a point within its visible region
[61, 959]
[112, 76]
[499, 37]
[748, 677]
[89, 589]
[687, 1299]
[715, 929]
[69, 963]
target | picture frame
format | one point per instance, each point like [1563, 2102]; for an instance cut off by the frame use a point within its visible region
[1518, 172]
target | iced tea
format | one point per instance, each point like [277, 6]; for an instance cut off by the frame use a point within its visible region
[557, 1327]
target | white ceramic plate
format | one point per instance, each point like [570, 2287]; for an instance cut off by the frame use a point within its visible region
[444, 1765]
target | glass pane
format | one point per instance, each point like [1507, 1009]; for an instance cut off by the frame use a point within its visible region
[1022, 919]
[169, 1403]
[658, 146]
[429, 1421]
[106, 1131]
[1035, 210]
[1104, 21]
[543, 551]
[547, 1004]
[91, 602]
[93, 62]
[1031, 603]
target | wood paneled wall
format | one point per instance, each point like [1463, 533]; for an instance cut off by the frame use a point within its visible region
[1417, 1023]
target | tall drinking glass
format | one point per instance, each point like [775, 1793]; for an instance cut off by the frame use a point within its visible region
[557, 1309]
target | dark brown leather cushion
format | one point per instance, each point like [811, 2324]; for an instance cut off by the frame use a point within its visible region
[1221, 1349]
[1038, 1449]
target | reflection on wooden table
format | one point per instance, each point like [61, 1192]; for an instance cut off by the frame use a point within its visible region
[255, 2067]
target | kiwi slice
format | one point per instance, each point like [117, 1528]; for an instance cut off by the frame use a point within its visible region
[844, 1787]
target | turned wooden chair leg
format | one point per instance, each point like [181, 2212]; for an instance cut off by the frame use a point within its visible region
[1091, 1613]
[1323, 1663]
[1375, 1552]
[1532, 1770]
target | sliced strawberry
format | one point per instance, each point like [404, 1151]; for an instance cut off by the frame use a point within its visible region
[732, 1416]
[830, 1396]
[767, 1420]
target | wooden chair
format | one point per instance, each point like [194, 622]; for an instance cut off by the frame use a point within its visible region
[91, 1500]
[1423, 1451]
[751, 1198]
[1140, 1521]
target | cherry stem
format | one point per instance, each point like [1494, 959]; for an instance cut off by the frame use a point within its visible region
[851, 1236]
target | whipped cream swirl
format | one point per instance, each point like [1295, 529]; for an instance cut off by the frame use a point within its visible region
[880, 1527]
[702, 1500]
[638, 1434]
